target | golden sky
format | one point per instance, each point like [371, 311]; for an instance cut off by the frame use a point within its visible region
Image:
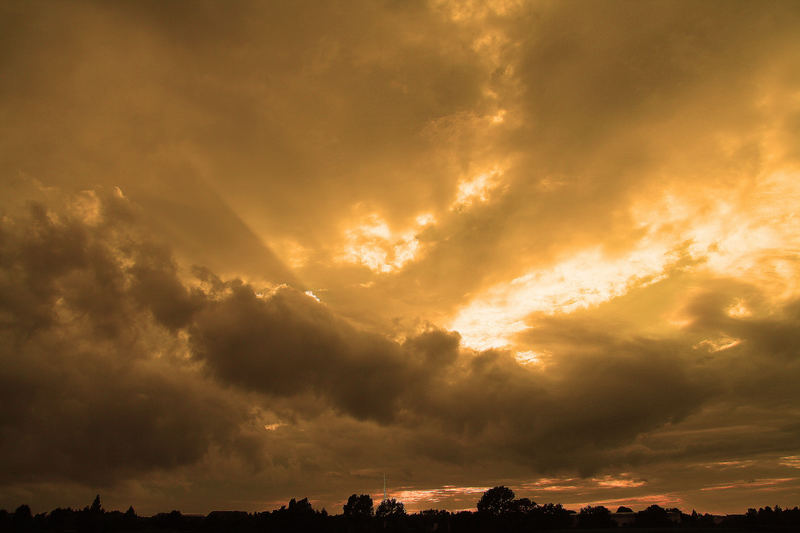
[265, 250]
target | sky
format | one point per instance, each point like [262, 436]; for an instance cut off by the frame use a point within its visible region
[261, 250]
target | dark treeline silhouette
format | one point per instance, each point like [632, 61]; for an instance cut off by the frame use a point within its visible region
[498, 511]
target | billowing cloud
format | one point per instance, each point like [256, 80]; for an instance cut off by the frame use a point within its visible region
[97, 387]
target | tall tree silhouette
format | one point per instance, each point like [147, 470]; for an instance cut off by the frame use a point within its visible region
[497, 501]
[358, 506]
[96, 507]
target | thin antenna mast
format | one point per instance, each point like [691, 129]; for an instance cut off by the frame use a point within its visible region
[384, 486]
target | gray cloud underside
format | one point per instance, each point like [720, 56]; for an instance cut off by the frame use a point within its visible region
[113, 366]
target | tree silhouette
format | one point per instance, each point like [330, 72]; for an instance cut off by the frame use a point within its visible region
[553, 516]
[595, 517]
[23, 512]
[358, 506]
[302, 507]
[96, 508]
[390, 508]
[653, 516]
[497, 501]
[500, 513]
[22, 519]
[524, 506]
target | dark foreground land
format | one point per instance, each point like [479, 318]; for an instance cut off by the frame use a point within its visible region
[498, 512]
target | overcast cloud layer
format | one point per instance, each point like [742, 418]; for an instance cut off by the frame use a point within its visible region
[276, 250]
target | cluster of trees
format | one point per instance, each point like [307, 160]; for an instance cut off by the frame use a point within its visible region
[90, 518]
[361, 506]
[500, 504]
[773, 517]
[498, 510]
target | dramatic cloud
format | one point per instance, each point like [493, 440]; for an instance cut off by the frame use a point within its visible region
[277, 250]
[96, 386]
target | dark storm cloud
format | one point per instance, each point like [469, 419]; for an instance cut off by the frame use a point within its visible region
[103, 336]
[88, 292]
[763, 366]
[741, 372]
[566, 415]
[91, 387]
[286, 344]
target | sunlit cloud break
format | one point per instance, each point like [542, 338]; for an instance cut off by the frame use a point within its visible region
[586, 279]
[710, 235]
[373, 244]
